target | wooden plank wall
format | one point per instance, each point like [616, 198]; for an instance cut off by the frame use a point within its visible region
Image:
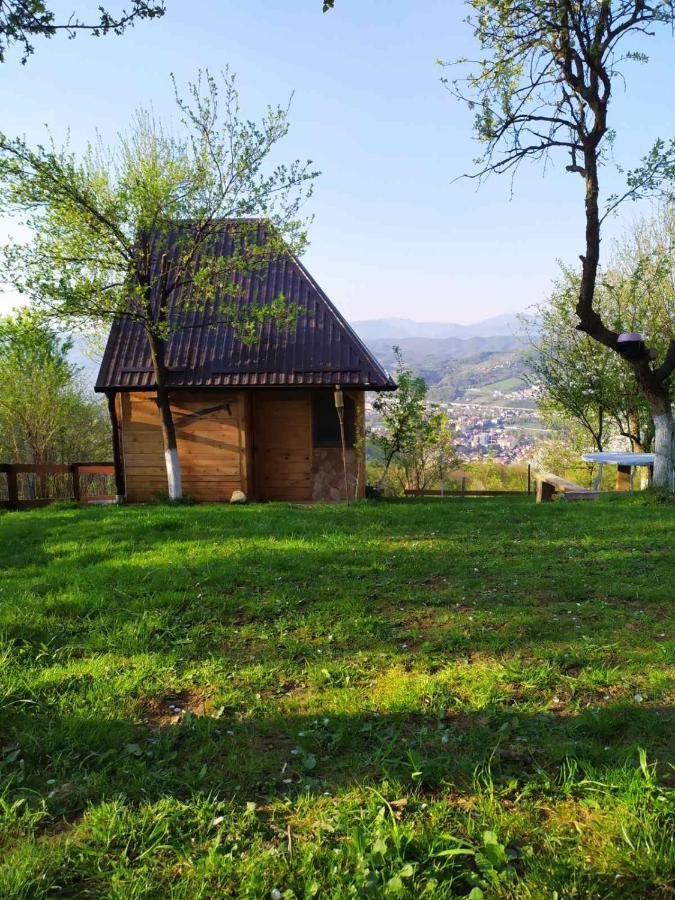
[283, 445]
[214, 447]
[211, 445]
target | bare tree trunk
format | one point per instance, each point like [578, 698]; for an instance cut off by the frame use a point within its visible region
[635, 437]
[663, 450]
[173, 474]
[660, 406]
[388, 461]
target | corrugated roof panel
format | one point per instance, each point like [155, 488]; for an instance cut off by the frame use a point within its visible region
[319, 349]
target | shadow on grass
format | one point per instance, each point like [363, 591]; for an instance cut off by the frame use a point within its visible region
[411, 585]
[452, 601]
[75, 761]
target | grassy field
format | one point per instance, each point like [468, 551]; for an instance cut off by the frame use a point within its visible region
[397, 699]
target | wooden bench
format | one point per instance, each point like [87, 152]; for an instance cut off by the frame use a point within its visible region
[549, 485]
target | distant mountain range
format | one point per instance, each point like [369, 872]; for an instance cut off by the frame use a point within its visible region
[425, 353]
[505, 325]
[458, 362]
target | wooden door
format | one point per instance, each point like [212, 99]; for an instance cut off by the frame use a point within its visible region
[282, 447]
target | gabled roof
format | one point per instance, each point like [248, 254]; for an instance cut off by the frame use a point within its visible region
[319, 349]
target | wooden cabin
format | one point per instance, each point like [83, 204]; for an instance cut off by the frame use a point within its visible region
[255, 417]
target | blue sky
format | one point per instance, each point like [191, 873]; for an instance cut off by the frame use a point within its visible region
[393, 234]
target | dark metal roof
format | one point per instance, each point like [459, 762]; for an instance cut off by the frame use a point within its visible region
[320, 348]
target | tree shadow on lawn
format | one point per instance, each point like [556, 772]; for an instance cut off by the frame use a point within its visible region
[215, 565]
[296, 589]
[554, 786]
[27, 535]
[297, 596]
[75, 761]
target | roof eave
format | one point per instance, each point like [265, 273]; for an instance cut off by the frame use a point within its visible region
[130, 388]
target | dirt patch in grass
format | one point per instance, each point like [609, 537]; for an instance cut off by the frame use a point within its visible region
[274, 742]
[434, 582]
[424, 621]
[573, 670]
[170, 710]
[285, 689]
[460, 721]
[438, 616]
[569, 814]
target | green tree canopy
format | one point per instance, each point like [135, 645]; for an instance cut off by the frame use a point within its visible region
[47, 415]
[415, 439]
[584, 380]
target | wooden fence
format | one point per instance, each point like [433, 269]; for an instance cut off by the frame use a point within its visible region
[462, 491]
[25, 495]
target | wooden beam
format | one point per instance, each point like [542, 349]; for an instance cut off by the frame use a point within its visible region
[186, 418]
[414, 492]
[12, 486]
[38, 468]
[95, 468]
[583, 495]
[117, 447]
[623, 478]
[76, 482]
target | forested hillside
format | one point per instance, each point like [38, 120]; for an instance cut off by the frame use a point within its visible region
[476, 367]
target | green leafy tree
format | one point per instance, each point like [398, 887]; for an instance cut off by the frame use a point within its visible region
[400, 413]
[485, 475]
[47, 415]
[429, 456]
[124, 232]
[587, 381]
[416, 440]
[573, 380]
[580, 380]
[21, 21]
[543, 84]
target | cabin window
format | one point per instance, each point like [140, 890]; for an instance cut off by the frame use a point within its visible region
[325, 422]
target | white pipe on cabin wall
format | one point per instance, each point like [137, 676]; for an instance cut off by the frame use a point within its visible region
[173, 474]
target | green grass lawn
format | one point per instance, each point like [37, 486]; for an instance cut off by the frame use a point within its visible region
[407, 699]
